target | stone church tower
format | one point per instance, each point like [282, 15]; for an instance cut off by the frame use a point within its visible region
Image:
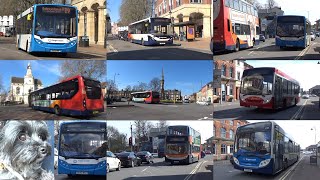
[162, 86]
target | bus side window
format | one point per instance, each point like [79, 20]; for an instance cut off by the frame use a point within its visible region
[233, 27]
[229, 28]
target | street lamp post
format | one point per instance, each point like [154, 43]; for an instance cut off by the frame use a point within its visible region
[315, 139]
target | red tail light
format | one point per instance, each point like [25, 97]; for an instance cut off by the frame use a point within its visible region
[84, 103]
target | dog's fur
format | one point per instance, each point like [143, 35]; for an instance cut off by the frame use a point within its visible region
[23, 147]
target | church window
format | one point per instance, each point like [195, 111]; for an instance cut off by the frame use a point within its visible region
[18, 90]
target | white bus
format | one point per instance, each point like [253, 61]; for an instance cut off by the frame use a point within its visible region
[150, 31]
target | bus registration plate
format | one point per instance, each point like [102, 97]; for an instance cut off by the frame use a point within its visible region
[162, 43]
[247, 170]
[55, 50]
[82, 173]
[95, 112]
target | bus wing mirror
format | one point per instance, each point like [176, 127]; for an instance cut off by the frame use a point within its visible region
[29, 17]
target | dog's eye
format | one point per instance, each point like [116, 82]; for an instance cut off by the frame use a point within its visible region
[42, 137]
[23, 137]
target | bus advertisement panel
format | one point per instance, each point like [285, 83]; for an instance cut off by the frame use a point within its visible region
[82, 148]
[265, 148]
[268, 88]
[182, 145]
[236, 25]
[146, 97]
[150, 31]
[293, 31]
[75, 96]
[48, 28]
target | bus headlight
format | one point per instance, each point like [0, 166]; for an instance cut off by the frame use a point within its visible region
[38, 41]
[236, 161]
[72, 43]
[264, 163]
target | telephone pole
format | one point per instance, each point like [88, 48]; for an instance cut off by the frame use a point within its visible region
[131, 137]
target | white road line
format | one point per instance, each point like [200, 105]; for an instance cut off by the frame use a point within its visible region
[193, 171]
[303, 52]
[290, 170]
[295, 116]
[145, 169]
[250, 52]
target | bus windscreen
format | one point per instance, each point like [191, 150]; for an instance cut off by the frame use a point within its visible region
[93, 89]
[55, 21]
[290, 26]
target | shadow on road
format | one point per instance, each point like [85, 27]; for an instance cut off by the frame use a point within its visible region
[69, 55]
[163, 53]
[242, 113]
[79, 177]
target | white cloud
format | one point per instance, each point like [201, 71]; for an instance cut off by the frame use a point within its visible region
[301, 131]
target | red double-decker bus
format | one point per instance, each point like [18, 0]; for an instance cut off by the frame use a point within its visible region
[236, 25]
[146, 97]
[75, 96]
[268, 88]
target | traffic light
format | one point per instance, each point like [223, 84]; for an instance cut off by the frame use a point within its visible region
[130, 141]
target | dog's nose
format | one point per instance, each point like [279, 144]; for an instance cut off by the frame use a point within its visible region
[43, 149]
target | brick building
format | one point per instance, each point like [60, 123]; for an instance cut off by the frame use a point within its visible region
[223, 137]
[184, 12]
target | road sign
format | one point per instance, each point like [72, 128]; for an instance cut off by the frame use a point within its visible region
[217, 78]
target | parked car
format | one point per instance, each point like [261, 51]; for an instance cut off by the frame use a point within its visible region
[205, 103]
[145, 156]
[262, 38]
[186, 101]
[129, 159]
[1, 34]
[203, 154]
[208, 152]
[318, 34]
[113, 162]
[8, 34]
[312, 36]
[305, 96]
[55, 163]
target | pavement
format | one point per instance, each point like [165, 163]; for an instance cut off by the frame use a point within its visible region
[141, 111]
[306, 109]
[24, 112]
[223, 170]
[268, 50]
[161, 170]
[180, 50]
[9, 51]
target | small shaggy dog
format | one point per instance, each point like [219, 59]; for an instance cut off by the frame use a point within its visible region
[23, 147]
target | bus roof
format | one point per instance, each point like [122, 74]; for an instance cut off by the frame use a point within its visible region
[294, 17]
[30, 10]
[147, 19]
[81, 121]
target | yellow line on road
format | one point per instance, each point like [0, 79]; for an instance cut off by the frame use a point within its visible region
[290, 170]
[296, 115]
[303, 52]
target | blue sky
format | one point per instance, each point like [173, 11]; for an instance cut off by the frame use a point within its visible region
[113, 9]
[184, 75]
[47, 71]
[307, 72]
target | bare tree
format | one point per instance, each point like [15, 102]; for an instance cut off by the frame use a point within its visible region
[94, 69]
[142, 86]
[271, 4]
[116, 140]
[15, 7]
[134, 10]
[128, 88]
[142, 129]
[162, 124]
[155, 84]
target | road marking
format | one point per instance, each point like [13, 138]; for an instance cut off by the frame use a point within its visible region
[145, 169]
[193, 171]
[250, 52]
[22, 53]
[303, 52]
[290, 170]
[296, 115]
[112, 48]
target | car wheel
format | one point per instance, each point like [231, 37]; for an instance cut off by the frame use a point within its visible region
[132, 163]
[119, 167]
[108, 170]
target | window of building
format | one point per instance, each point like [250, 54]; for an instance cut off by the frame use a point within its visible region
[18, 90]
[231, 72]
[195, 1]
[170, 4]
[223, 149]
[178, 2]
[231, 89]
[231, 148]
[214, 148]
[224, 70]
[164, 6]
[223, 132]
[238, 76]
[231, 134]
[215, 91]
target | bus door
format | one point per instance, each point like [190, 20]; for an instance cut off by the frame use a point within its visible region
[278, 92]
[278, 148]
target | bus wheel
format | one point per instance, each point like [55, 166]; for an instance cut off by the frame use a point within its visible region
[57, 110]
[237, 46]
[27, 46]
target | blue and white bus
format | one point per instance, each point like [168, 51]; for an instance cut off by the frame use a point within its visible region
[48, 28]
[293, 31]
[82, 148]
[150, 31]
[264, 147]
